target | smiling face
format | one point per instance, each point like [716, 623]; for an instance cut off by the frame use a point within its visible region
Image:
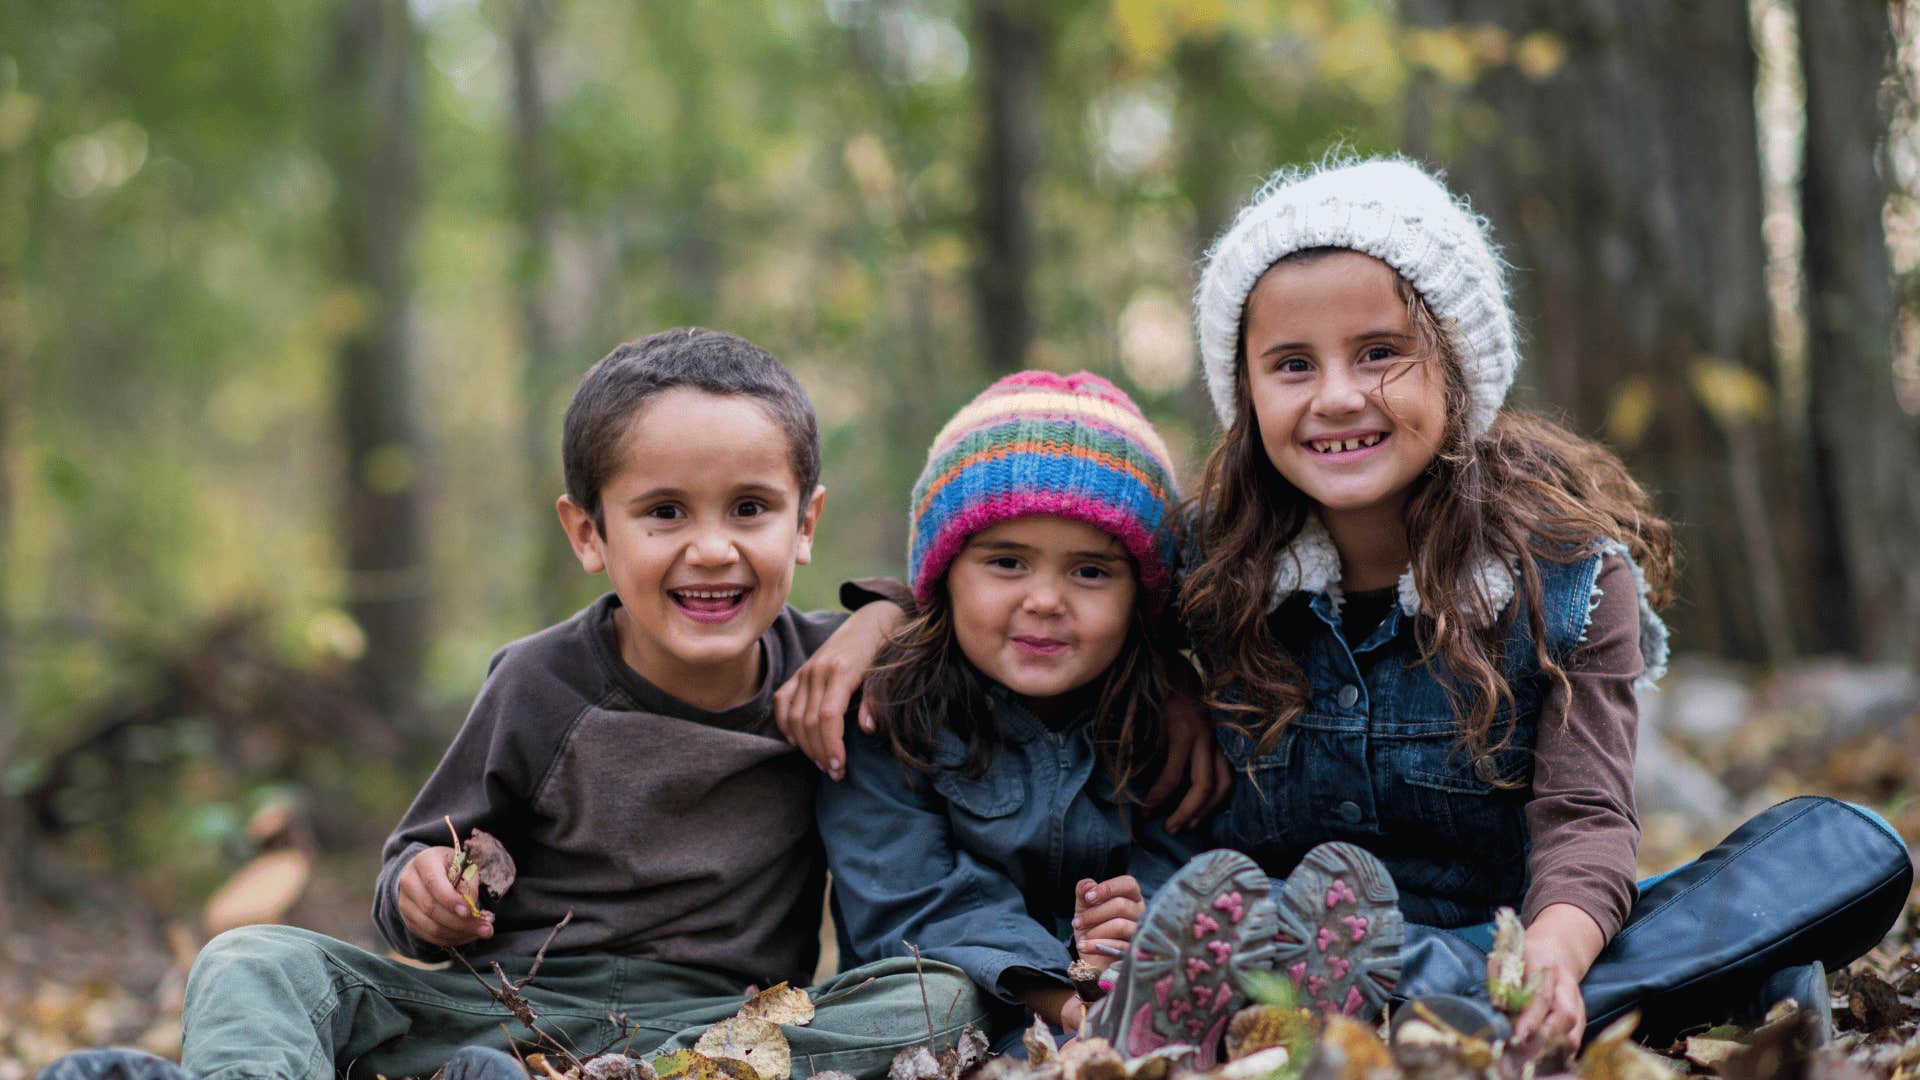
[704, 523]
[1351, 407]
[1041, 604]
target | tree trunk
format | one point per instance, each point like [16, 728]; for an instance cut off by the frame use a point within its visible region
[544, 371]
[1865, 450]
[1011, 49]
[14, 222]
[371, 102]
[1624, 184]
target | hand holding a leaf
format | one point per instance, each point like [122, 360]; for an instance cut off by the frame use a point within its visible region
[1555, 953]
[440, 890]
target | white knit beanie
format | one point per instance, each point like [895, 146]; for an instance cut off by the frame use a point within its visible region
[1391, 209]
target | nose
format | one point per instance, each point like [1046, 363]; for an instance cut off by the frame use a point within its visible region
[1043, 596]
[1339, 392]
[712, 546]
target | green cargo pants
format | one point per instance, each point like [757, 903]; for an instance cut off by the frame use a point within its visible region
[289, 1004]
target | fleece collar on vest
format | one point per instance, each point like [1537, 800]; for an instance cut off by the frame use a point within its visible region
[1312, 564]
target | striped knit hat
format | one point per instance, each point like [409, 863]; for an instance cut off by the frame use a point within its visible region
[1073, 446]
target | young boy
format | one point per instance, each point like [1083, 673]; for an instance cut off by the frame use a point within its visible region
[628, 760]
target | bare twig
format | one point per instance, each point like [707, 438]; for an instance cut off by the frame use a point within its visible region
[508, 995]
[541, 956]
[830, 998]
[922, 975]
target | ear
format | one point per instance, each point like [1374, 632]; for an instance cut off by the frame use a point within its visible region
[810, 520]
[582, 534]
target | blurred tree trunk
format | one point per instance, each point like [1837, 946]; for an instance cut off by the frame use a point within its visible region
[529, 23]
[1012, 48]
[1617, 154]
[14, 221]
[1210, 174]
[1865, 450]
[371, 109]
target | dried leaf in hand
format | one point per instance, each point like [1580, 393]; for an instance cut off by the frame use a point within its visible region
[1039, 1042]
[780, 1004]
[260, 892]
[1086, 981]
[1507, 986]
[759, 1043]
[916, 1062]
[492, 864]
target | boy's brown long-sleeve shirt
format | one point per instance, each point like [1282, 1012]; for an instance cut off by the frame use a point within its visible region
[672, 833]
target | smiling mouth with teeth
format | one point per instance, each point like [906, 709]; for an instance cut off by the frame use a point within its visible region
[1335, 446]
[709, 603]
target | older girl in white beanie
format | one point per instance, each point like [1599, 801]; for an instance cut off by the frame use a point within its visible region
[1423, 619]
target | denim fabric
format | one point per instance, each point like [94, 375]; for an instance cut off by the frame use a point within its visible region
[980, 873]
[280, 1003]
[1376, 757]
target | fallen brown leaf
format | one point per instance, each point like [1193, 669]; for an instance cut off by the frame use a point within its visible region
[759, 1043]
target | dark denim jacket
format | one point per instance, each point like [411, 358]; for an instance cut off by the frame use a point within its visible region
[980, 873]
[1376, 760]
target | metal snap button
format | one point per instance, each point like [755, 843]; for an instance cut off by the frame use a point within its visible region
[1348, 695]
[1349, 811]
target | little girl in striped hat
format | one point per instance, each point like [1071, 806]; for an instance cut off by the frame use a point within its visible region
[992, 819]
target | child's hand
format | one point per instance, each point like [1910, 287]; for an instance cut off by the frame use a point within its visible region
[430, 906]
[811, 706]
[1193, 757]
[1561, 945]
[1105, 916]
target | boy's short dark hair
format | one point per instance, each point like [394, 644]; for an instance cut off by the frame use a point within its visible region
[712, 361]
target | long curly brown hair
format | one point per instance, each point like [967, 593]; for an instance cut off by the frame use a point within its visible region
[1528, 489]
[924, 683]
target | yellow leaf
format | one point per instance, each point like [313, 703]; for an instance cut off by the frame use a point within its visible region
[1615, 1056]
[1732, 392]
[694, 1065]
[759, 1043]
[1631, 411]
[1539, 55]
[261, 892]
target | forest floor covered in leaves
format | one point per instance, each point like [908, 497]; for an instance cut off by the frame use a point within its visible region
[104, 960]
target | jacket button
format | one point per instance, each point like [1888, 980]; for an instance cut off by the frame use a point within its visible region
[1348, 695]
[1349, 811]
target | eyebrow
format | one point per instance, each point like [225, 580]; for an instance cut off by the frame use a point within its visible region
[1370, 335]
[752, 487]
[1019, 548]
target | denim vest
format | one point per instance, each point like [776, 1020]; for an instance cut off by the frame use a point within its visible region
[1376, 759]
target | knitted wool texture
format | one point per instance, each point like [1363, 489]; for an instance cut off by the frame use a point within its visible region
[1388, 208]
[1073, 446]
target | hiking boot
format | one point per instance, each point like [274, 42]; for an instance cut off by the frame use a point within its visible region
[1183, 977]
[115, 1064]
[1340, 931]
[1806, 985]
[483, 1063]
